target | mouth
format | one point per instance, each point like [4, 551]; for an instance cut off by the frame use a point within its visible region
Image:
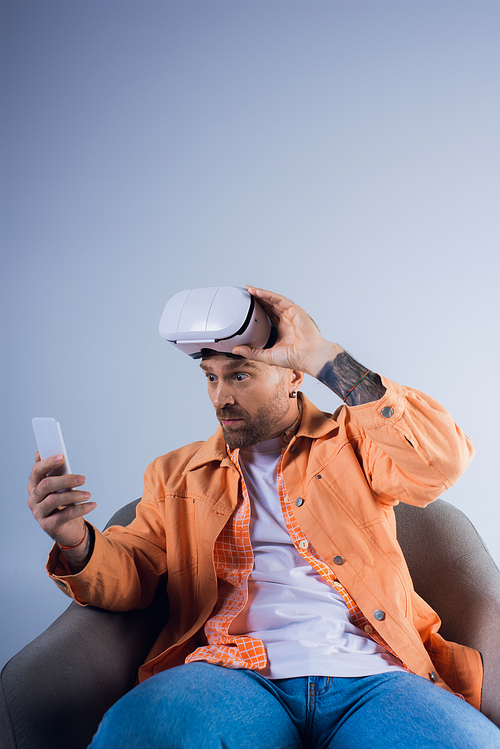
[229, 419]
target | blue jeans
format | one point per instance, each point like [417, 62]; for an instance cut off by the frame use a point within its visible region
[202, 706]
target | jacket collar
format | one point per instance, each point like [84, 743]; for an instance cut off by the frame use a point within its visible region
[314, 424]
[213, 449]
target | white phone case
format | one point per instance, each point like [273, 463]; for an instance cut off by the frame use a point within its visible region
[50, 442]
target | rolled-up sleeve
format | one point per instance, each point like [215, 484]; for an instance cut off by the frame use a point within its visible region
[412, 450]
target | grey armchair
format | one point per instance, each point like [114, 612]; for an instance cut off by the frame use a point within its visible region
[56, 690]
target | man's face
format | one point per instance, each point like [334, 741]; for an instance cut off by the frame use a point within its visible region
[251, 399]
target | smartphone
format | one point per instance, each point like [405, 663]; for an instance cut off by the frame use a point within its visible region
[50, 442]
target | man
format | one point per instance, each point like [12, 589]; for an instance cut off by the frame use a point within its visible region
[293, 621]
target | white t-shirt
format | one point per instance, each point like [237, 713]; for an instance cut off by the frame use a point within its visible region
[303, 622]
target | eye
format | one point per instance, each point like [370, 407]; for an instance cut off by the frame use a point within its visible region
[211, 377]
[240, 377]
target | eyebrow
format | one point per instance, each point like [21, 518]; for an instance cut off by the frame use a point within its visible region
[231, 364]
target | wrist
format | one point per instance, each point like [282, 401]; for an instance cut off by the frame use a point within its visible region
[76, 546]
[78, 556]
[351, 381]
[323, 354]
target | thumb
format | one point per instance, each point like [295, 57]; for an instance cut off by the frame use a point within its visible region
[255, 354]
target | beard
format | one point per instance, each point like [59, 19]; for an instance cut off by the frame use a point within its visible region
[262, 426]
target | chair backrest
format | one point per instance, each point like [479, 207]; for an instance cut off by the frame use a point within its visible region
[453, 571]
[124, 515]
[447, 560]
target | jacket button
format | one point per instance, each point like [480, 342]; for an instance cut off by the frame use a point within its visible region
[387, 412]
[379, 615]
[368, 629]
[299, 502]
[338, 560]
[319, 476]
[433, 676]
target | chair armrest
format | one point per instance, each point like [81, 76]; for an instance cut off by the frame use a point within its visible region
[55, 691]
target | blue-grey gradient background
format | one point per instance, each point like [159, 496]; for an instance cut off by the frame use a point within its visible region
[343, 154]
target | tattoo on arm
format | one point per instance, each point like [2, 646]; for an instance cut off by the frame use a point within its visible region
[343, 372]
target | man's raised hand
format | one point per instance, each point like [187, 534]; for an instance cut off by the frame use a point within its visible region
[299, 345]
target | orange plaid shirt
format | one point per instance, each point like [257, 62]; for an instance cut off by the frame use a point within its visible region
[233, 558]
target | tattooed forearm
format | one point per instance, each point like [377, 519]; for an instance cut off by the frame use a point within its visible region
[343, 372]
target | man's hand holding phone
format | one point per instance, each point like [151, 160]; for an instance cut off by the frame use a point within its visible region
[59, 505]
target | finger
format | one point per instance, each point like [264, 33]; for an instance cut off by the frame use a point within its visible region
[43, 467]
[274, 302]
[53, 517]
[53, 509]
[247, 352]
[61, 500]
[266, 356]
[55, 484]
[54, 523]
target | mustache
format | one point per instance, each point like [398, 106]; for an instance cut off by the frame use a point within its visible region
[229, 412]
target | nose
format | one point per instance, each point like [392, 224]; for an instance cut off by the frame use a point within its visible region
[223, 397]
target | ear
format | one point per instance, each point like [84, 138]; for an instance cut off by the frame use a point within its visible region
[296, 378]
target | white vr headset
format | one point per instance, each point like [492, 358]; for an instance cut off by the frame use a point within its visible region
[216, 319]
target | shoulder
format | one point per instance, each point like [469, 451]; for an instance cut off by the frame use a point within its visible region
[177, 463]
[176, 460]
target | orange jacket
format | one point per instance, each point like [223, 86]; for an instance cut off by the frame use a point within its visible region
[351, 469]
